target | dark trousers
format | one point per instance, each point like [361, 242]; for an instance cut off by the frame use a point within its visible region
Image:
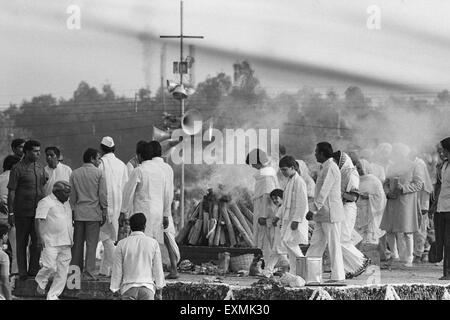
[445, 220]
[85, 231]
[439, 231]
[25, 229]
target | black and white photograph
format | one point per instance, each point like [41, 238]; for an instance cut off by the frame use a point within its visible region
[236, 151]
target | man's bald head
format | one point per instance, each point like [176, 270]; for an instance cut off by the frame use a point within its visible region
[61, 190]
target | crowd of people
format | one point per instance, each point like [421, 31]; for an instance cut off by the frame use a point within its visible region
[53, 218]
[393, 197]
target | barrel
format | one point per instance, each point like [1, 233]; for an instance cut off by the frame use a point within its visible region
[310, 269]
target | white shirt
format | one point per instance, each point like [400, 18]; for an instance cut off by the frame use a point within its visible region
[168, 171]
[444, 196]
[60, 173]
[58, 230]
[4, 179]
[328, 200]
[137, 263]
[116, 176]
[146, 192]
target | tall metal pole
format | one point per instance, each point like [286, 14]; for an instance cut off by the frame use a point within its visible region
[181, 37]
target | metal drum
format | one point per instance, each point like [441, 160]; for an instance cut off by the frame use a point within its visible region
[310, 269]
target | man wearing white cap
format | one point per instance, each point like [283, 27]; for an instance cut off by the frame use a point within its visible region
[116, 176]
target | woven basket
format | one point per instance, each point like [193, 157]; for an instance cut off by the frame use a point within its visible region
[242, 262]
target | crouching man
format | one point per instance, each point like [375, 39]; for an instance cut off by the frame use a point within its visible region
[137, 267]
[55, 237]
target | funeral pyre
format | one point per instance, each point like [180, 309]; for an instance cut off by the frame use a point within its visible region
[219, 220]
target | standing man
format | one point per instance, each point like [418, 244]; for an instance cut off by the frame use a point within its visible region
[55, 170]
[88, 199]
[443, 209]
[8, 164]
[355, 263]
[5, 287]
[116, 176]
[400, 219]
[26, 189]
[134, 162]
[265, 182]
[55, 236]
[169, 228]
[17, 148]
[146, 192]
[328, 212]
[137, 270]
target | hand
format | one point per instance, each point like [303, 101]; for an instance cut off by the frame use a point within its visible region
[262, 221]
[275, 221]
[122, 219]
[424, 212]
[364, 196]
[294, 225]
[11, 220]
[391, 195]
[40, 244]
[103, 220]
[165, 222]
[309, 216]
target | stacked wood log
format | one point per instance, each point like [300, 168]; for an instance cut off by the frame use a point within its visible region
[218, 221]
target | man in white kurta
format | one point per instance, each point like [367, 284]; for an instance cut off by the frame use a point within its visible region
[56, 170]
[328, 212]
[354, 261]
[116, 176]
[146, 192]
[169, 228]
[137, 269]
[55, 235]
[263, 208]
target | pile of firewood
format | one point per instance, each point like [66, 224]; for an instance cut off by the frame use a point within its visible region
[218, 221]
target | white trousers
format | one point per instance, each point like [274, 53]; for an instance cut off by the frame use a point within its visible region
[353, 258]
[55, 261]
[108, 256]
[420, 237]
[405, 244]
[324, 234]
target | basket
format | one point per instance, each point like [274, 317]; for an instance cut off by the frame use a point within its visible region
[242, 262]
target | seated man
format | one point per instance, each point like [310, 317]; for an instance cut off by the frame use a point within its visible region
[137, 268]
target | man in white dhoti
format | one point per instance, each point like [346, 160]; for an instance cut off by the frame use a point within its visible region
[134, 162]
[146, 191]
[169, 228]
[264, 210]
[55, 236]
[328, 212]
[56, 170]
[355, 263]
[421, 247]
[294, 226]
[400, 219]
[116, 176]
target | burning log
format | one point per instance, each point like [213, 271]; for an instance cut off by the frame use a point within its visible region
[217, 220]
[184, 232]
[195, 233]
[234, 208]
[248, 214]
[226, 217]
[241, 229]
[212, 231]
